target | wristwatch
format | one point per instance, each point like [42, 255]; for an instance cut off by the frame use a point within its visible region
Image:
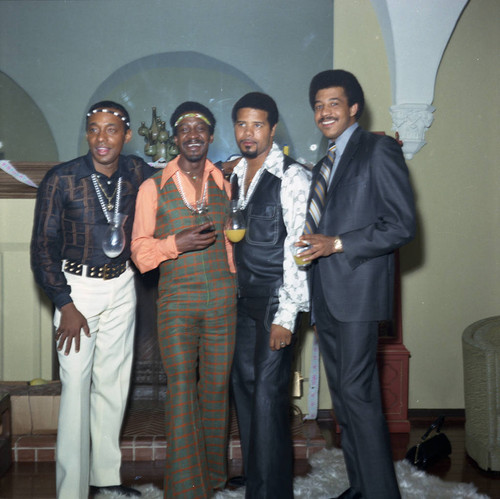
[337, 245]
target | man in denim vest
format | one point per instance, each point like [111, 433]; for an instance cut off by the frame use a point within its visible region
[272, 290]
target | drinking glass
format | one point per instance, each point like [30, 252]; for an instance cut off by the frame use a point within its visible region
[202, 217]
[114, 238]
[297, 252]
[235, 226]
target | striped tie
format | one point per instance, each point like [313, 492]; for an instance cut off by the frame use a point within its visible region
[318, 198]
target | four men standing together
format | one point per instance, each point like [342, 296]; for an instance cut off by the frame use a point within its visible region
[227, 313]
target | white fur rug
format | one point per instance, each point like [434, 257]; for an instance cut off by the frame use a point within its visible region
[328, 478]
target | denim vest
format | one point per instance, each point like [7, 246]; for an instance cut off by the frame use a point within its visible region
[259, 256]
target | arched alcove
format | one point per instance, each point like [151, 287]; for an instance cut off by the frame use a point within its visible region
[24, 131]
[167, 79]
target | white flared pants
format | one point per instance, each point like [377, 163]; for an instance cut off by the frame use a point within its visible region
[95, 384]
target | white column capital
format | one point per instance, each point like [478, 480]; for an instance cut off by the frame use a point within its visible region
[416, 33]
[411, 121]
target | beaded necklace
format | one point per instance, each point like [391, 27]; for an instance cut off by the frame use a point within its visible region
[200, 202]
[244, 200]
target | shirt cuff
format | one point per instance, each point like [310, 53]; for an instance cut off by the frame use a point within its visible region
[61, 300]
[168, 247]
[286, 319]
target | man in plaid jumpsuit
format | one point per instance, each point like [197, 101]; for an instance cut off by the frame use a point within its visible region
[196, 305]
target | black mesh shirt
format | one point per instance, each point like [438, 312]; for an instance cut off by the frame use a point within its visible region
[69, 222]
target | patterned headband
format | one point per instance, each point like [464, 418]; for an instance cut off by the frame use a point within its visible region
[110, 111]
[193, 115]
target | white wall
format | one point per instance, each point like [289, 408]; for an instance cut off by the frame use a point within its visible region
[451, 271]
[25, 313]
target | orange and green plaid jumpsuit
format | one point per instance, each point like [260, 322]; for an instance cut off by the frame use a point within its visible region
[196, 330]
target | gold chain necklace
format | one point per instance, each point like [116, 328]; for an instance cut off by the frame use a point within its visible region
[110, 205]
[194, 177]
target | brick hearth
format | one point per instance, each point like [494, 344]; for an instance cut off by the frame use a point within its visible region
[143, 431]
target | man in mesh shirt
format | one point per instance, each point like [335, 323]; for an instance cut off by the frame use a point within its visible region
[94, 297]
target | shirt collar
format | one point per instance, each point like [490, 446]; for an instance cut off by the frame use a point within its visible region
[86, 167]
[210, 169]
[273, 163]
[342, 141]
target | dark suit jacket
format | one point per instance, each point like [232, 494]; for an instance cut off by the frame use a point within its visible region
[370, 206]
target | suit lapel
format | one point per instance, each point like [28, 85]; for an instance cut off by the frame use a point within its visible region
[343, 166]
[349, 152]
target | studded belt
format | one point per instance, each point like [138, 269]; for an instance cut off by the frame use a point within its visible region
[106, 272]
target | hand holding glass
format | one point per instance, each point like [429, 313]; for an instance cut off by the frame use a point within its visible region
[202, 217]
[299, 260]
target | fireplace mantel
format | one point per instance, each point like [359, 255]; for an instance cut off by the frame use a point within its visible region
[12, 188]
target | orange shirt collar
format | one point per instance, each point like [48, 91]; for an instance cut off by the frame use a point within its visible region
[210, 169]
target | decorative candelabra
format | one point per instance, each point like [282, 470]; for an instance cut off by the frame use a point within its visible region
[159, 144]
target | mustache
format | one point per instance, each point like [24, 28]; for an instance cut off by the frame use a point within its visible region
[242, 142]
[327, 118]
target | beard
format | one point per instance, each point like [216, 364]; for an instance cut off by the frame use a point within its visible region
[249, 154]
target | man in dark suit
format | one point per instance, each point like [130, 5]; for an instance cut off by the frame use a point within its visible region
[361, 209]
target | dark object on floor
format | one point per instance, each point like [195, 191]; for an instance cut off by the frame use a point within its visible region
[120, 489]
[350, 493]
[236, 482]
[430, 449]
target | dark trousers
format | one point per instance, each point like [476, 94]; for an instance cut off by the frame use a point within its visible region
[349, 352]
[260, 381]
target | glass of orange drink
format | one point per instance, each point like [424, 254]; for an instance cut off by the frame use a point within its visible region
[235, 226]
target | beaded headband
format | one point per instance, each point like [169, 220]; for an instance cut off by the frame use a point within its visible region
[193, 115]
[110, 111]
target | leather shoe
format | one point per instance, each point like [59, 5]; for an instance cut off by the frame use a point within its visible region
[119, 489]
[350, 493]
[236, 482]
